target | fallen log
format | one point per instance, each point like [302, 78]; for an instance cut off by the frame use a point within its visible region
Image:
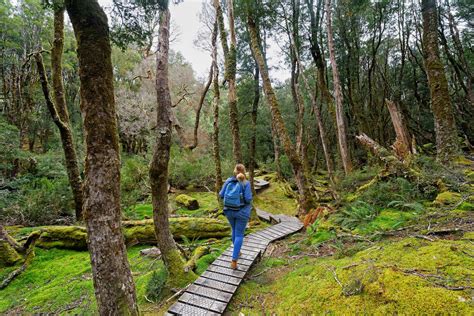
[135, 232]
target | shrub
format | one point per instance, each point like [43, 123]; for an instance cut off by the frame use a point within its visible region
[134, 180]
[156, 284]
[355, 214]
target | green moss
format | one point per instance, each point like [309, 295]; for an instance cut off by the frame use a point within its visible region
[187, 201]
[274, 200]
[67, 237]
[178, 276]
[466, 206]
[386, 220]
[468, 236]
[58, 278]
[447, 198]
[379, 280]
[8, 255]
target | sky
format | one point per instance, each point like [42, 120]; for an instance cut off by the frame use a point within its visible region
[185, 21]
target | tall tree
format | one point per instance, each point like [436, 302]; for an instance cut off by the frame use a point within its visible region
[113, 283]
[58, 109]
[304, 196]
[215, 111]
[445, 124]
[230, 56]
[159, 165]
[340, 121]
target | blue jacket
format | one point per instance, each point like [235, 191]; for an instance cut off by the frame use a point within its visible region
[245, 210]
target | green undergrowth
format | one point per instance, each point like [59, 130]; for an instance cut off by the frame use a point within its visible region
[58, 280]
[207, 205]
[274, 200]
[409, 276]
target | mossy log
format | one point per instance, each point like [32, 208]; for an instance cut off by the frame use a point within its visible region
[135, 232]
[189, 202]
[197, 253]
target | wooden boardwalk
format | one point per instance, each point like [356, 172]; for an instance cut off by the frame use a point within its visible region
[212, 291]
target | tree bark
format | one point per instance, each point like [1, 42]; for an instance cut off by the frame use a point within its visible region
[399, 125]
[72, 165]
[198, 110]
[230, 55]
[159, 165]
[340, 122]
[447, 145]
[113, 283]
[305, 199]
[253, 140]
[215, 109]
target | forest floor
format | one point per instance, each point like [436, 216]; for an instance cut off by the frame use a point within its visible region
[402, 260]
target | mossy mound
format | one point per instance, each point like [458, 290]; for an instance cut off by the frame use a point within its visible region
[189, 202]
[274, 199]
[8, 255]
[408, 277]
[447, 198]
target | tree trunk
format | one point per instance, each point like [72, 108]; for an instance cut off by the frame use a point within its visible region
[198, 110]
[447, 145]
[215, 108]
[230, 55]
[159, 165]
[304, 197]
[322, 131]
[399, 125]
[253, 141]
[61, 107]
[113, 283]
[340, 122]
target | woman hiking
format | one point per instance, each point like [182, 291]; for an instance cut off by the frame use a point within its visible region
[237, 196]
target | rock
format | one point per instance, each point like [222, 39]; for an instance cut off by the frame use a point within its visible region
[189, 202]
[152, 252]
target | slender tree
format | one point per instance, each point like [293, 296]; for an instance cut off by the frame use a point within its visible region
[340, 121]
[304, 196]
[113, 283]
[230, 56]
[445, 124]
[215, 110]
[58, 109]
[174, 263]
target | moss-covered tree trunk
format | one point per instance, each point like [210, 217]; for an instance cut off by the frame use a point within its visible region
[60, 102]
[58, 108]
[230, 56]
[340, 121]
[215, 110]
[113, 283]
[159, 165]
[445, 124]
[304, 197]
[253, 140]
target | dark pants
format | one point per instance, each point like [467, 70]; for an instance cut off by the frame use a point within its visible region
[238, 222]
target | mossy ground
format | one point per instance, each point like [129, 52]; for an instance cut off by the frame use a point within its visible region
[207, 205]
[274, 200]
[59, 279]
[390, 277]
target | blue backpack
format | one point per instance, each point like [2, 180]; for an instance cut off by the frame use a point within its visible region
[234, 195]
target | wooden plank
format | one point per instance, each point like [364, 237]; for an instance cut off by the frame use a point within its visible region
[270, 232]
[209, 292]
[226, 264]
[226, 271]
[247, 249]
[294, 228]
[241, 260]
[180, 308]
[244, 255]
[221, 277]
[203, 302]
[266, 235]
[280, 230]
[254, 243]
[217, 285]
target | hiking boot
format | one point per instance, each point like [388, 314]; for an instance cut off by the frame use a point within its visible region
[233, 265]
